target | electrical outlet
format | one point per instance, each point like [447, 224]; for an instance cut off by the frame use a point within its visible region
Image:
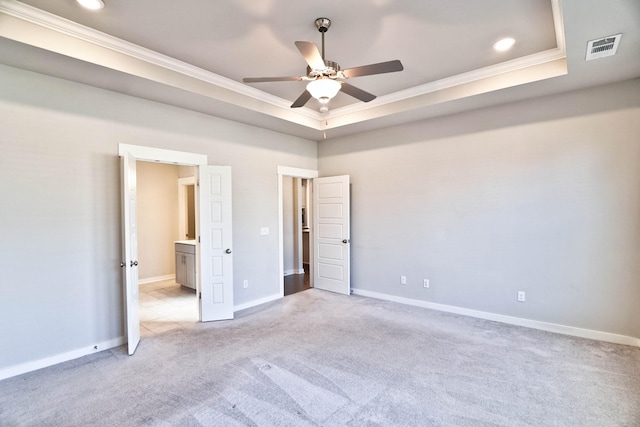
[403, 280]
[245, 284]
[521, 296]
[426, 283]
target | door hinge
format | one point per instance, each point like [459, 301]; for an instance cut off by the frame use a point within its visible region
[198, 239]
[199, 295]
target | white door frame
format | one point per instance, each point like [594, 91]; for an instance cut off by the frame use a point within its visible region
[159, 155]
[295, 173]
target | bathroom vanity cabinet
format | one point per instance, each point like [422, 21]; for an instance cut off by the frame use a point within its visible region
[186, 263]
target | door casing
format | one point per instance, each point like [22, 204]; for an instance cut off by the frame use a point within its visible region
[159, 155]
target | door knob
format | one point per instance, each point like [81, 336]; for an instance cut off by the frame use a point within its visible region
[122, 264]
[345, 241]
[228, 251]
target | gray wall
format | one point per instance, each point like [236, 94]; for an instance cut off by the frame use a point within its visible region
[60, 189]
[157, 191]
[541, 196]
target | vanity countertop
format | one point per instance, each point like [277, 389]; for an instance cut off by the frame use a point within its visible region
[186, 242]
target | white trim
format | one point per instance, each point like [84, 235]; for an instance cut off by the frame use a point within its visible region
[256, 303]
[297, 173]
[518, 321]
[23, 368]
[152, 154]
[232, 91]
[538, 58]
[451, 82]
[61, 25]
[293, 271]
[558, 25]
[156, 279]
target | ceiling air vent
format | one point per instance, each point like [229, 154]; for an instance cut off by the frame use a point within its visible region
[600, 48]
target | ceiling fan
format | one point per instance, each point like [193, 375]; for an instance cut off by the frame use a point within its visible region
[325, 77]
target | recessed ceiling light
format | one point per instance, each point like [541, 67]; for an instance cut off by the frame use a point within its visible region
[504, 44]
[91, 4]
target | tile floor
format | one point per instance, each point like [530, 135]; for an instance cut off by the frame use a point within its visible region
[165, 306]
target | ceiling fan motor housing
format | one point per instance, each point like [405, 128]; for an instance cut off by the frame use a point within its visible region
[331, 70]
[323, 24]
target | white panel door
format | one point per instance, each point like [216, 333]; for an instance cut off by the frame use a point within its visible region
[130, 250]
[331, 235]
[214, 257]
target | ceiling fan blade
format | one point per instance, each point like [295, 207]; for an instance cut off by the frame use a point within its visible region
[357, 92]
[302, 99]
[270, 79]
[312, 55]
[379, 68]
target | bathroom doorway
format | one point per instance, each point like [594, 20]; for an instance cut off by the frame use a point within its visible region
[166, 215]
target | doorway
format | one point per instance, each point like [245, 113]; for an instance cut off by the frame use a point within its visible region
[328, 216]
[166, 216]
[213, 259]
[296, 230]
[287, 175]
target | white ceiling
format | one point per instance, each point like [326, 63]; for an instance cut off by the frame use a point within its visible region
[194, 53]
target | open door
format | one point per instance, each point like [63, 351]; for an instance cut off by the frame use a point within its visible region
[214, 257]
[130, 250]
[331, 234]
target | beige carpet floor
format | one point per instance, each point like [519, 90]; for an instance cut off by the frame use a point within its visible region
[320, 359]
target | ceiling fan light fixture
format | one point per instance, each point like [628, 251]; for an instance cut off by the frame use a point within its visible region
[324, 88]
[91, 4]
[504, 44]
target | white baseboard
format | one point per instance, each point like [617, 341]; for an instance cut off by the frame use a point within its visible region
[156, 279]
[23, 368]
[535, 324]
[256, 302]
[294, 271]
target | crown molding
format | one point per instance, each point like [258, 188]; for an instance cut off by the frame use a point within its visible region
[62, 25]
[263, 102]
[70, 28]
[497, 70]
[529, 61]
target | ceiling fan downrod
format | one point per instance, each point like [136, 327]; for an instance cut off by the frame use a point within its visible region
[323, 24]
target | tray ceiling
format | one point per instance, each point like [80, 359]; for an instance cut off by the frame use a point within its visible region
[194, 53]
